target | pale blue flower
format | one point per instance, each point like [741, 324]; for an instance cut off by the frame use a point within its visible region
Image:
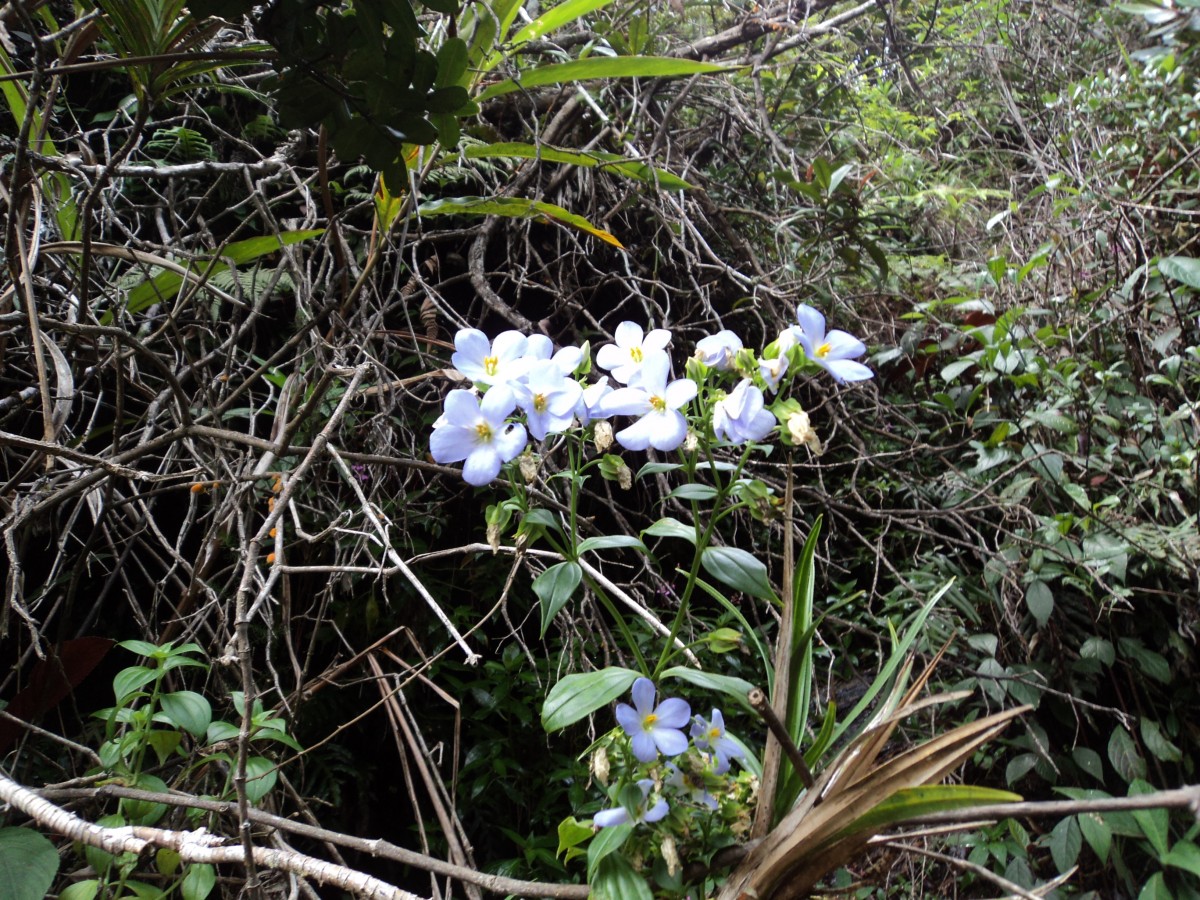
[476, 432]
[718, 350]
[710, 737]
[661, 425]
[833, 352]
[538, 347]
[772, 371]
[589, 406]
[654, 728]
[619, 815]
[548, 398]
[490, 362]
[631, 351]
[691, 785]
[740, 417]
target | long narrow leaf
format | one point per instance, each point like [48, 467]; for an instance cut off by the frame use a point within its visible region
[593, 159]
[602, 67]
[513, 207]
[554, 18]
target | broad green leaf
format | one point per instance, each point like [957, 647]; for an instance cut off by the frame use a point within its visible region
[739, 569]
[1040, 600]
[221, 731]
[607, 841]
[199, 881]
[513, 208]
[131, 680]
[81, 890]
[602, 67]
[145, 812]
[1089, 760]
[699, 492]
[1097, 833]
[1156, 889]
[1124, 756]
[1065, 844]
[654, 468]
[571, 833]
[28, 864]
[578, 695]
[1184, 855]
[554, 588]
[1181, 268]
[732, 686]
[1157, 743]
[615, 879]
[187, 710]
[1154, 823]
[260, 777]
[141, 648]
[606, 542]
[669, 527]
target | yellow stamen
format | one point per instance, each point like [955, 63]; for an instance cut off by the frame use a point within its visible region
[539, 402]
[484, 430]
[823, 350]
[636, 354]
[714, 734]
[491, 364]
[659, 404]
[649, 721]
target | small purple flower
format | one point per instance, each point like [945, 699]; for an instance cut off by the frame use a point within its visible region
[619, 815]
[654, 728]
[691, 785]
[710, 738]
[772, 371]
[360, 472]
[833, 351]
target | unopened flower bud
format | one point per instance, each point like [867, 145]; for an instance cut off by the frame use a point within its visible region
[801, 430]
[603, 436]
[600, 765]
[670, 854]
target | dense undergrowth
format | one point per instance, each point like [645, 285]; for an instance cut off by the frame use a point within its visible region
[238, 251]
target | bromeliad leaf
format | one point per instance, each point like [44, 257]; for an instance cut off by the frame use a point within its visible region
[576, 696]
[610, 161]
[513, 208]
[602, 67]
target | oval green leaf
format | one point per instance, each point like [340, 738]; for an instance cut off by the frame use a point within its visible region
[738, 569]
[576, 696]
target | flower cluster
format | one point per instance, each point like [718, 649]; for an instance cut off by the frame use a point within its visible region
[658, 729]
[515, 372]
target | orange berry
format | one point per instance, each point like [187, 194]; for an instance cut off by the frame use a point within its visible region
[270, 559]
[199, 487]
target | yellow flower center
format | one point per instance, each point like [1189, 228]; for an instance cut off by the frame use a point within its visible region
[491, 364]
[714, 734]
[636, 354]
[484, 430]
[659, 404]
[823, 350]
[649, 721]
[539, 402]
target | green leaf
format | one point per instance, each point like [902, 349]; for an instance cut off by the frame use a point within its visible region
[609, 162]
[1148, 662]
[578, 695]
[1065, 844]
[698, 492]
[1089, 760]
[1157, 743]
[615, 879]
[669, 527]
[513, 208]
[730, 685]
[1097, 833]
[1040, 600]
[141, 648]
[221, 731]
[261, 776]
[1156, 889]
[908, 803]
[1181, 268]
[28, 864]
[656, 468]
[602, 67]
[1123, 754]
[606, 542]
[1184, 855]
[607, 842]
[131, 680]
[554, 588]
[187, 710]
[553, 19]
[738, 569]
[81, 890]
[571, 833]
[199, 881]
[1098, 648]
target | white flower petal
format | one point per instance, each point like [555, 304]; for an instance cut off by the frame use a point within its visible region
[452, 444]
